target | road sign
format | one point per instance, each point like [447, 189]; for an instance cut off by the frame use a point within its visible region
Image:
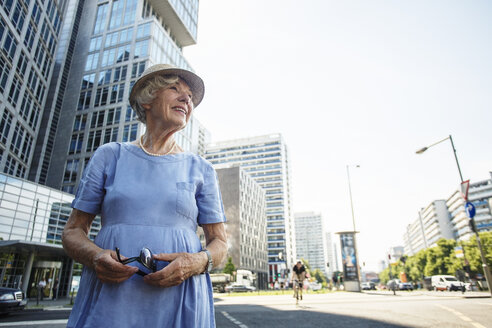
[458, 251]
[465, 186]
[470, 210]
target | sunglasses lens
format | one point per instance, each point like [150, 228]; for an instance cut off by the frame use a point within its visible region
[146, 257]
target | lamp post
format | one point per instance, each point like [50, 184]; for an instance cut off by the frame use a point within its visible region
[353, 225]
[486, 270]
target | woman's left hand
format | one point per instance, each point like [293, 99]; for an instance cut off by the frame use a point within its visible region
[181, 266]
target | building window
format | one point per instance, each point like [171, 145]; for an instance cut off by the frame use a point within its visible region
[5, 126]
[14, 91]
[71, 170]
[10, 45]
[76, 143]
[95, 44]
[110, 134]
[97, 119]
[113, 116]
[94, 140]
[91, 62]
[84, 100]
[130, 132]
[22, 64]
[141, 49]
[99, 25]
[4, 73]
[79, 123]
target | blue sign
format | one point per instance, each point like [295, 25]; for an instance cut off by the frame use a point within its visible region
[470, 210]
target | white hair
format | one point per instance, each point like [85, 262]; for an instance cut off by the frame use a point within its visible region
[147, 93]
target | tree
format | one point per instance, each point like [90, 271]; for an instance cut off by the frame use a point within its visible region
[319, 276]
[229, 267]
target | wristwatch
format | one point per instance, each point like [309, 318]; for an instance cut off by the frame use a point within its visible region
[210, 262]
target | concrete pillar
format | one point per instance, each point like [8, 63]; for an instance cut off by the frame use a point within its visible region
[27, 272]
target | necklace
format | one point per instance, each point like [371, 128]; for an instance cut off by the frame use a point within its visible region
[152, 154]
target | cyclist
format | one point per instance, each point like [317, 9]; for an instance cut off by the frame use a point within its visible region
[298, 276]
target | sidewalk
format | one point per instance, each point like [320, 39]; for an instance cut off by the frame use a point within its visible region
[468, 294]
[49, 304]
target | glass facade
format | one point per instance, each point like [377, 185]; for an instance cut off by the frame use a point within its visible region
[123, 42]
[29, 34]
[35, 213]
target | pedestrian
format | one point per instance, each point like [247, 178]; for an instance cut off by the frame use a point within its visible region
[41, 287]
[151, 196]
[55, 289]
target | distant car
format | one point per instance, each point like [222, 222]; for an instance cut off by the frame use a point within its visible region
[239, 288]
[405, 286]
[368, 286]
[315, 286]
[11, 299]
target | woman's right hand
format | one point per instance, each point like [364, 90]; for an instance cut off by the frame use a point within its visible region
[108, 269]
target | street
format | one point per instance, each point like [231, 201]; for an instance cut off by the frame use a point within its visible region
[338, 309]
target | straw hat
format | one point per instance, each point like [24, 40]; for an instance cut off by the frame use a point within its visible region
[194, 81]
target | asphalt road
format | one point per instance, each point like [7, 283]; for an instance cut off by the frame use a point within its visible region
[354, 310]
[339, 309]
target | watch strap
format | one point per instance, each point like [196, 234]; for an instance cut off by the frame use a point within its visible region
[210, 263]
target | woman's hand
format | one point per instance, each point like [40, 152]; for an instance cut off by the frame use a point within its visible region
[181, 267]
[109, 269]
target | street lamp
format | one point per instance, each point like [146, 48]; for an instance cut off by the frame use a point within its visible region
[350, 193]
[353, 225]
[486, 270]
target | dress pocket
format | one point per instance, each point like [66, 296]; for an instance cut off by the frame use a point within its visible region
[186, 202]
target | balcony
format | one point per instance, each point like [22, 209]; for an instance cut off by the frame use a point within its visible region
[166, 10]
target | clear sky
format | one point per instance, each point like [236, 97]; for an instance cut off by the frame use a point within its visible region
[354, 82]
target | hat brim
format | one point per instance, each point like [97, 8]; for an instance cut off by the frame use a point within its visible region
[195, 83]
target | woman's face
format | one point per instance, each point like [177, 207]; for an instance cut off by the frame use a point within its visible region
[172, 106]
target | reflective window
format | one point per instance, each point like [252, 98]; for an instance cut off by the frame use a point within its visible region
[102, 11]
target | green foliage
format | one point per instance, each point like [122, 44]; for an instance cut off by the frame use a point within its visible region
[441, 259]
[319, 276]
[229, 267]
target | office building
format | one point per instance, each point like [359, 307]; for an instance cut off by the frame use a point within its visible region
[32, 218]
[117, 40]
[265, 158]
[310, 240]
[244, 206]
[29, 37]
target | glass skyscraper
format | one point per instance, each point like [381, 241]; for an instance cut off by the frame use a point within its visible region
[116, 41]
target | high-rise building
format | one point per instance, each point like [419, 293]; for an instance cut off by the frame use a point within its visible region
[448, 219]
[330, 255]
[244, 207]
[29, 38]
[265, 158]
[116, 41]
[310, 240]
[480, 195]
[432, 224]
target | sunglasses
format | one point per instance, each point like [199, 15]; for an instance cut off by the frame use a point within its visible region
[145, 258]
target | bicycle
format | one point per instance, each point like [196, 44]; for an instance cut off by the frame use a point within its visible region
[297, 291]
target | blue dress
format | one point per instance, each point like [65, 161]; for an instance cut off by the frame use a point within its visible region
[153, 202]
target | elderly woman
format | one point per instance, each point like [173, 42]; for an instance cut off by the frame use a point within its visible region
[146, 267]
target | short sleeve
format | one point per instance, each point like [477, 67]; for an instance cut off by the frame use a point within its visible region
[209, 199]
[90, 193]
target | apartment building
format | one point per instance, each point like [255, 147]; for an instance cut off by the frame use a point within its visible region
[265, 159]
[310, 240]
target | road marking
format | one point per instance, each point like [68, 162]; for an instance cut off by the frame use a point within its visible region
[233, 320]
[34, 323]
[461, 316]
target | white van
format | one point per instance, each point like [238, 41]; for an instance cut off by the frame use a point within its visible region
[447, 283]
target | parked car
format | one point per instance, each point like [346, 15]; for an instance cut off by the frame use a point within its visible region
[235, 287]
[11, 299]
[443, 282]
[368, 285]
[393, 284]
[405, 286]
